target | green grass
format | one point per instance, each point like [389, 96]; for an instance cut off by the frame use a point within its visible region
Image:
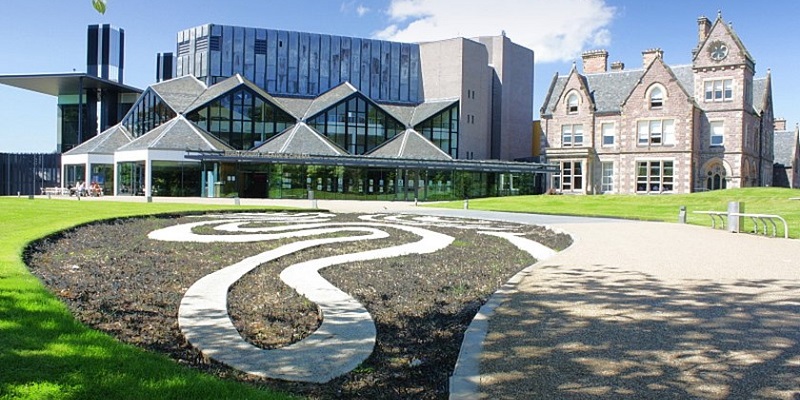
[654, 208]
[46, 354]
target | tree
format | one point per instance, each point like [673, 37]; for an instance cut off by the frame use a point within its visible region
[99, 5]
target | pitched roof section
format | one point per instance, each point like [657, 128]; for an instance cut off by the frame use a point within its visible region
[402, 113]
[429, 109]
[295, 106]
[228, 85]
[329, 98]
[301, 139]
[177, 134]
[179, 93]
[409, 145]
[785, 147]
[107, 142]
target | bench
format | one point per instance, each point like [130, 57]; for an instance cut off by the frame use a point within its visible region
[55, 191]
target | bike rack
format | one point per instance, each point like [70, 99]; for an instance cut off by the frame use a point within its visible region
[765, 220]
[719, 214]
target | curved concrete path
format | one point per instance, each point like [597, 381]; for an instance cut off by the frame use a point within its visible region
[647, 310]
[346, 335]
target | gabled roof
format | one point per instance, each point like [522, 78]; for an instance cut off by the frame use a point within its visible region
[228, 85]
[429, 109]
[608, 89]
[761, 93]
[731, 33]
[409, 144]
[329, 98]
[300, 139]
[107, 142]
[785, 147]
[177, 134]
[180, 92]
[660, 61]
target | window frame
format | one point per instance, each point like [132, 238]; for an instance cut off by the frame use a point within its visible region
[712, 135]
[571, 135]
[718, 90]
[656, 103]
[561, 180]
[572, 109]
[603, 135]
[666, 137]
[655, 183]
[606, 180]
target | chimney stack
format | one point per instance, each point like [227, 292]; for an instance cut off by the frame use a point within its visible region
[617, 66]
[703, 28]
[779, 124]
[595, 61]
[649, 55]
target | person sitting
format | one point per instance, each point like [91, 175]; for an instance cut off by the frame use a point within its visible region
[80, 189]
[96, 190]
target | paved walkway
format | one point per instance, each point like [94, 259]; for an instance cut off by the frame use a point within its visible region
[648, 310]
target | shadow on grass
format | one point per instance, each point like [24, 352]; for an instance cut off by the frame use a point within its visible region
[605, 333]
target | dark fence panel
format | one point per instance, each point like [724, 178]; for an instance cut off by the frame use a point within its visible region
[28, 173]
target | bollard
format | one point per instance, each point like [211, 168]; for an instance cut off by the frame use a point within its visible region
[735, 222]
[236, 200]
[682, 215]
[466, 204]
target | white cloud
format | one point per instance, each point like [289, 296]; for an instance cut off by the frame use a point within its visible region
[555, 30]
[347, 7]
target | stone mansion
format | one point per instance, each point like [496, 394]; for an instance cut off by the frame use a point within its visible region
[662, 129]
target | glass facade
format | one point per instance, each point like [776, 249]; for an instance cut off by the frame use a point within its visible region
[294, 181]
[242, 119]
[356, 125]
[131, 178]
[442, 130]
[176, 179]
[304, 64]
[147, 113]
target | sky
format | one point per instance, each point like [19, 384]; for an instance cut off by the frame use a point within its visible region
[49, 36]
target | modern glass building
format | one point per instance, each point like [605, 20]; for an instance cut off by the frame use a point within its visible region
[269, 113]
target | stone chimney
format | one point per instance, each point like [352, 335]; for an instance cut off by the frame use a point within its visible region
[703, 28]
[649, 55]
[595, 61]
[779, 124]
[617, 66]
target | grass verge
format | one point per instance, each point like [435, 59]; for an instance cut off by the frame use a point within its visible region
[776, 201]
[46, 354]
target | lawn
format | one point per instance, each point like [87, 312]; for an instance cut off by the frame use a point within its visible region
[46, 354]
[654, 208]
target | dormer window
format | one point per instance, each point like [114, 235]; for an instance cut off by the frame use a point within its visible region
[656, 97]
[572, 103]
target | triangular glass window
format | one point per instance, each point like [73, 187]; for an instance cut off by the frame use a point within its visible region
[147, 113]
[356, 124]
[442, 130]
[242, 119]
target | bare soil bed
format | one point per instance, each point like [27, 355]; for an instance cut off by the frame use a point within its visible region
[115, 279]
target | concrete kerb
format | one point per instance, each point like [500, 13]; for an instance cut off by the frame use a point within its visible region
[465, 381]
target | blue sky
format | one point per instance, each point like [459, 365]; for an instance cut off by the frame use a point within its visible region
[50, 36]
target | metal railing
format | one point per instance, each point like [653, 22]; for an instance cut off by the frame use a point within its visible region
[722, 215]
[764, 218]
[760, 221]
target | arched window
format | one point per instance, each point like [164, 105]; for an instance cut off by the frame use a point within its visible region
[715, 176]
[572, 103]
[656, 97]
